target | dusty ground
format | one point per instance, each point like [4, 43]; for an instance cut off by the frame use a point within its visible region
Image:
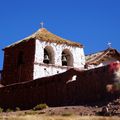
[43, 117]
[62, 111]
[68, 113]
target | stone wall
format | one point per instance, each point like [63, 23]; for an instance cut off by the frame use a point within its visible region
[18, 62]
[89, 86]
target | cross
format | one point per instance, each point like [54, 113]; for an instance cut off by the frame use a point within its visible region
[109, 44]
[42, 23]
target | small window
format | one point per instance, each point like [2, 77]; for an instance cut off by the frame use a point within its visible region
[86, 66]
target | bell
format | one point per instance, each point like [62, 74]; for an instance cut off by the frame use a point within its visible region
[64, 59]
[46, 57]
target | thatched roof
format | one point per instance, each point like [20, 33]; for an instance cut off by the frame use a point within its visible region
[44, 35]
[102, 56]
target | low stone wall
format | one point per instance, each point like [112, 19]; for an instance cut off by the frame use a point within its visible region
[89, 86]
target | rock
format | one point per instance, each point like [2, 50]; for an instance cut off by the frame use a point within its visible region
[96, 106]
[105, 111]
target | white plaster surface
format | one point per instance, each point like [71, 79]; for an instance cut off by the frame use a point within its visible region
[44, 71]
[77, 54]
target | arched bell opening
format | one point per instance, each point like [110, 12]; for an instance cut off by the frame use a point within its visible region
[67, 58]
[48, 55]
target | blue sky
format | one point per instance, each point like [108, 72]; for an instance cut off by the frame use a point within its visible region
[93, 23]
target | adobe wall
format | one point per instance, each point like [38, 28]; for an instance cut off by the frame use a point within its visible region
[12, 72]
[89, 86]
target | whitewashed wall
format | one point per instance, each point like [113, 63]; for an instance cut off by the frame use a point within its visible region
[42, 71]
[47, 70]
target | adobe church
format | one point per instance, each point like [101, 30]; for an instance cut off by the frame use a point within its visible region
[45, 54]
[49, 69]
[39, 55]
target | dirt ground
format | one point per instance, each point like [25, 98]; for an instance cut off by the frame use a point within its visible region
[43, 117]
[68, 112]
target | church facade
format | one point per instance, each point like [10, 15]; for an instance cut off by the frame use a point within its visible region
[39, 55]
[45, 54]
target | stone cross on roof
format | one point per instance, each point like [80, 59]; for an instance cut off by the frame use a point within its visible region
[42, 24]
[109, 44]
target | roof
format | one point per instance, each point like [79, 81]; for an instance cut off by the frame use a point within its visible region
[44, 35]
[102, 56]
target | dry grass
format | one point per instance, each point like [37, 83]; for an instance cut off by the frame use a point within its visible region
[45, 117]
[45, 35]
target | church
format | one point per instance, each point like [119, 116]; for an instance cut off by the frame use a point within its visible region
[39, 55]
[45, 54]
[45, 68]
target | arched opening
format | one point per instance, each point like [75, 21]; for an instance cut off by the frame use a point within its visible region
[67, 58]
[48, 55]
